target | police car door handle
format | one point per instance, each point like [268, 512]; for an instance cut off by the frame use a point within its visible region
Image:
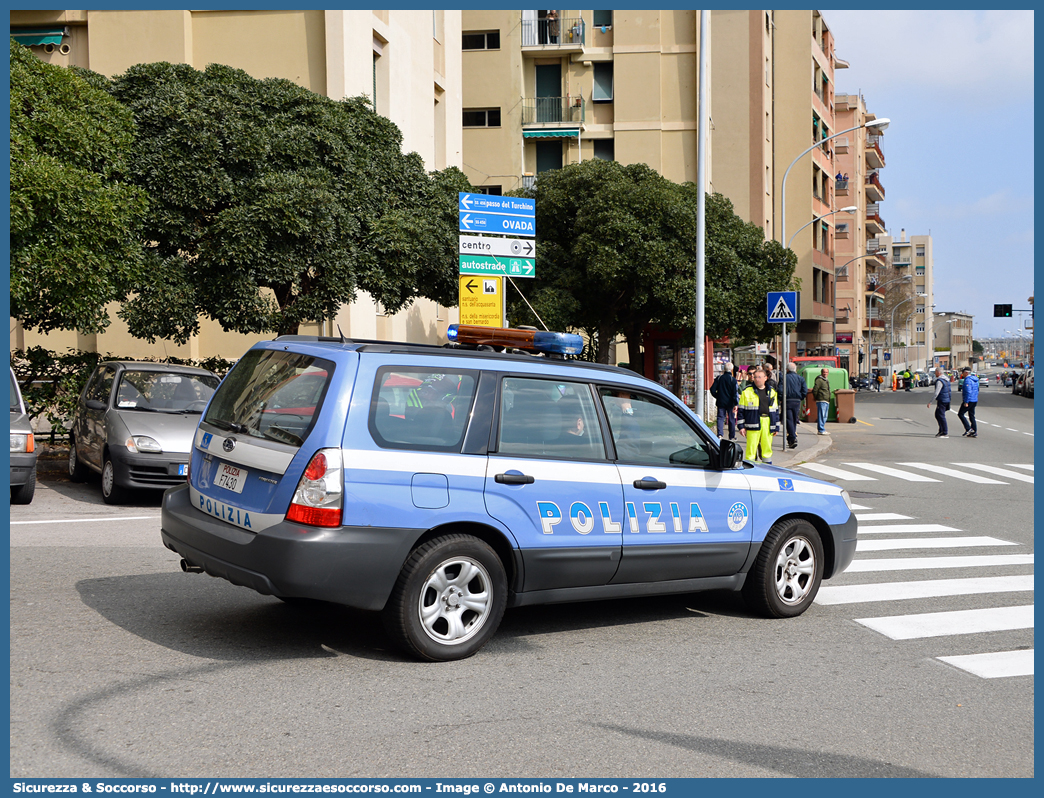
[513, 479]
[649, 484]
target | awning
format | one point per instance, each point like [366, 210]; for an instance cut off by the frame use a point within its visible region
[568, 133]
[31, 37]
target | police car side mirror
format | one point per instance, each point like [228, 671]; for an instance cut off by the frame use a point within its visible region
[729, 455]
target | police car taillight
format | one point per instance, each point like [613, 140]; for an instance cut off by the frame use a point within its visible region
[552, 343]
[319, 497]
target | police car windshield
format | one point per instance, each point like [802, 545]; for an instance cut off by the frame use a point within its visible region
[271, 395]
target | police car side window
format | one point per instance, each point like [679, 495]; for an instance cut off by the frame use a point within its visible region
[549, 418]
[646, 430]
[421, 409]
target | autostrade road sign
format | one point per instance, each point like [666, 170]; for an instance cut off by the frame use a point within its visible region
[483, 264]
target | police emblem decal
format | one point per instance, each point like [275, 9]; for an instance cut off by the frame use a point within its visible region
[786, 484]
[738, 515]
[229, 444]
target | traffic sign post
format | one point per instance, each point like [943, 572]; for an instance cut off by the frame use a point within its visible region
[497, 223]
[513, 267]
[497, 247]
[482, 300]
[783, 307]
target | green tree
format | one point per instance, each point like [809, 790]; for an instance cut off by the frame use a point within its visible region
[273, 205]
[616, 250]
[75, 220]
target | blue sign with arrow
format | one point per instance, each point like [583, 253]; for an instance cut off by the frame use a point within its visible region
[488, 213]
[493, 203]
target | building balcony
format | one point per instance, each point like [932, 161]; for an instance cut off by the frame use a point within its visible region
[549, 113]
[841, 187]
[544, 35]
[874, 223]
[874, 157]
[874, 324]
[874, 190]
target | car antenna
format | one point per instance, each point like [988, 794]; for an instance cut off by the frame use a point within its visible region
[343, 339]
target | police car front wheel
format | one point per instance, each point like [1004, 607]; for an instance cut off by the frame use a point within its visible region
[785, 578]
[449, 599]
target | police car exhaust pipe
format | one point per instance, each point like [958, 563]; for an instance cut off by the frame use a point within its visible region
[191, 569]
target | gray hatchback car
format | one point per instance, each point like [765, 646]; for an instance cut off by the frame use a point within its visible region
[134, 425]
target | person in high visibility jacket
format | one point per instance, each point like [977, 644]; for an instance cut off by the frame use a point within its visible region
[759, 414]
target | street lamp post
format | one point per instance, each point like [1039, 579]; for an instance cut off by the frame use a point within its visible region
[904, 279]
[837, 271]
[876, 124]
[849, 209]
[891, 329]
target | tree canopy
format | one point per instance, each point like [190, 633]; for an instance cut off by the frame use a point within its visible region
[75, 237]
[616, 250]
[262, 184]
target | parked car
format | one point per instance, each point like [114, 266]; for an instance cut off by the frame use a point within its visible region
[862, 382]
[1017, 383]
[23, 449]
[984, 381]
[443, 485]
[1027, 383]
[134, 424]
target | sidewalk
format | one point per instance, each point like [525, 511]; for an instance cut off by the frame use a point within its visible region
[810, 445]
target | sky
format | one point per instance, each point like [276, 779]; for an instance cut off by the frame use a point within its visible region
[958, 88]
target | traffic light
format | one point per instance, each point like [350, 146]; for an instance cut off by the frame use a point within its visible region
[1002, 311]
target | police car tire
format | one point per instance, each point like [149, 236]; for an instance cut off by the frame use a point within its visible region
[401, 615]
[760, 589]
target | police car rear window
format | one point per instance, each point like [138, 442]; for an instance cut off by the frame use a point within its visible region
[272, 395]
[421, 409]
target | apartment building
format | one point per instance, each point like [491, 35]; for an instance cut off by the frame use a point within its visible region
[952, 340]
[407, 62]
[913, 318]
[772, 98]
[543, 89]
[861, 257]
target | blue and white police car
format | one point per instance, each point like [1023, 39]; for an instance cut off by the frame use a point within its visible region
[443, 485]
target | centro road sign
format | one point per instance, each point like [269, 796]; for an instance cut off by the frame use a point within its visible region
[488, 213]
[782, 307]
[482, 300]
[482, 264]
[498, 247]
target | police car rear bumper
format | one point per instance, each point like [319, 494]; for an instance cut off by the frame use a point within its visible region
[844, 536]
[355, 566]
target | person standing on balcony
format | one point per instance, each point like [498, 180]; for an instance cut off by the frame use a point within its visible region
[552, 26]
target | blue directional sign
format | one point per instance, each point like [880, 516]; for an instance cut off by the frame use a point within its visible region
[782, 307]
[492, 203]
[487, 213]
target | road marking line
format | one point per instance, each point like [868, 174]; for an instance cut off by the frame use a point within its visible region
[864, 422]
[958, 622]
[994, 665]
[840, 473]
[950, 472]
[926, 563]
[1001, 472]
[927, 588]
[929, 543]
[891, 528]
[88, 520]
[882, 517]
[860, 507]
[1028, 466]
[1028, 433]
[893, 472]
[1009, 429]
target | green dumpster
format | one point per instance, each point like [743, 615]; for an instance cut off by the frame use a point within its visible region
[838, 379]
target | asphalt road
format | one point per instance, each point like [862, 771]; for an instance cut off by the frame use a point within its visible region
[122, 665]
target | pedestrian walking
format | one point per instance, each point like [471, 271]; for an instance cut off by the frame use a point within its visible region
[969, 399]
[879, 381]
[759, 409]
[821, 395]
[907, 377]
[726, 395]
[796, 392]
[770, 379]
[942, 402]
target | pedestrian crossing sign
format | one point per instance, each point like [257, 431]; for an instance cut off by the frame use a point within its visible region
[782, 307]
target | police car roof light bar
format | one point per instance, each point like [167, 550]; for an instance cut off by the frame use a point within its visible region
[551, 343]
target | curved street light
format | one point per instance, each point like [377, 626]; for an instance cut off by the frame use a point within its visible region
[849, 209]
[891, 330]
[906, 278]
[838, 270]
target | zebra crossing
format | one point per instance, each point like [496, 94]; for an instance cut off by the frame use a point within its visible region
[945, 624]
[911, 472]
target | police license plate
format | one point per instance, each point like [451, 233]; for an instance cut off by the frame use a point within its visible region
[231, 478]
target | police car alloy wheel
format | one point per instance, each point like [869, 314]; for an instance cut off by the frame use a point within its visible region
[785, 578]
[449, 599]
